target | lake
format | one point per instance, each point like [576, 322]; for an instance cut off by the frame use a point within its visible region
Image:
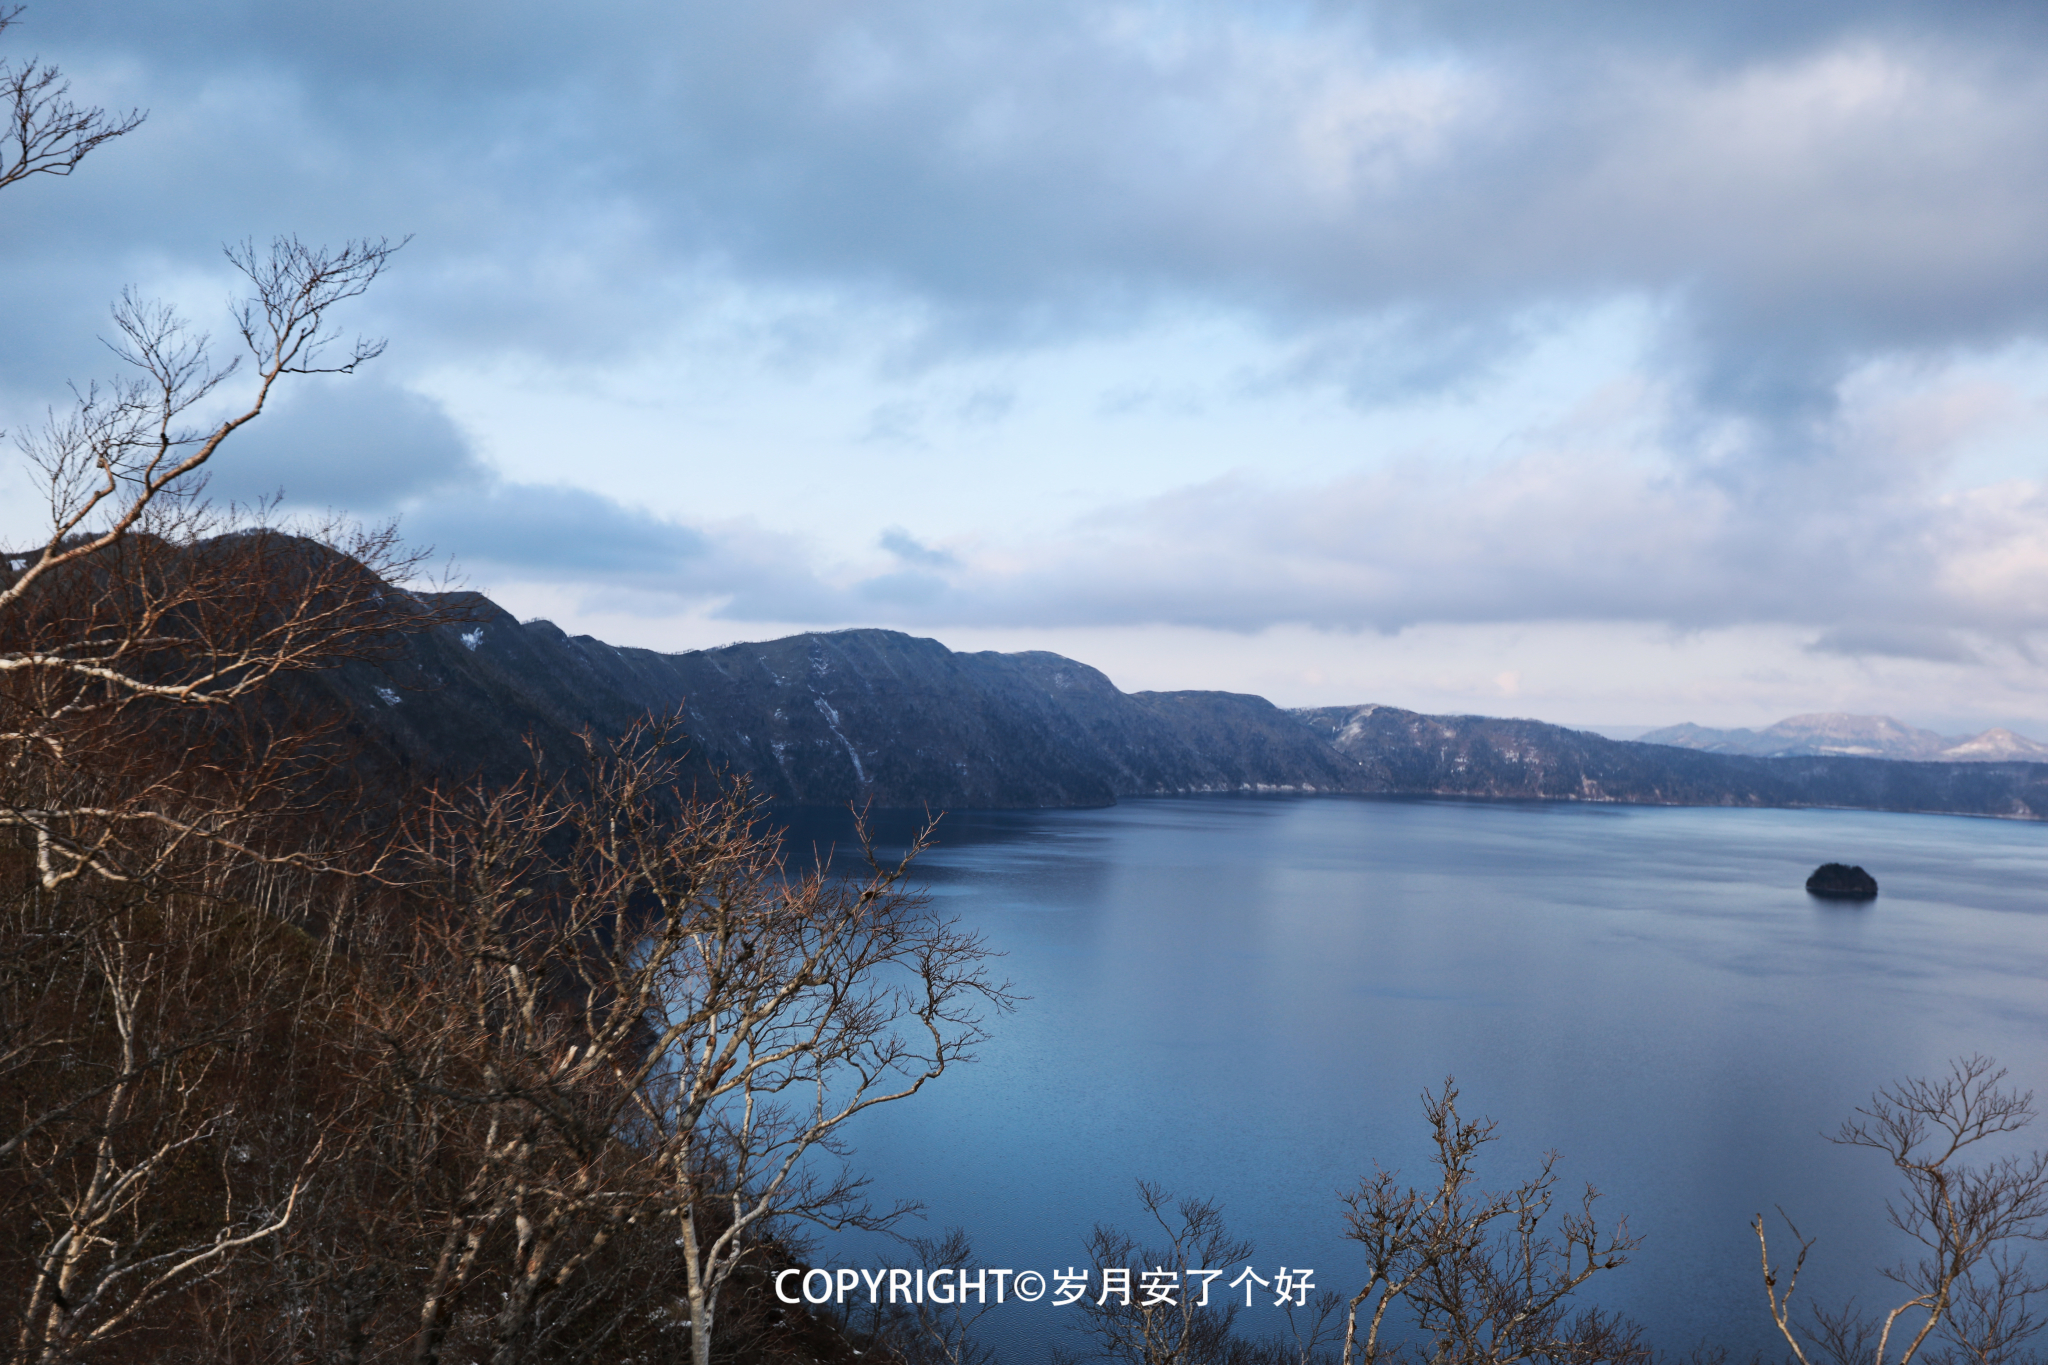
[1243, 998]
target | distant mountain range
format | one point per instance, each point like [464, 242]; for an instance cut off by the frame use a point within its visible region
[1848, 736]
[878, 716]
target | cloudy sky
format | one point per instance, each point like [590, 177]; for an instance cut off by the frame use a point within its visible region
[1610, 363]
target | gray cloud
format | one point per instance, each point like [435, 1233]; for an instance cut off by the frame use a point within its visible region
[910, 550]
[365, 448]
[359, 443]
[1399, 195]
[1875, 571]
[1849, 543]
[1808, 184]
[537, 529]
[1887, 640]
[1730, 32]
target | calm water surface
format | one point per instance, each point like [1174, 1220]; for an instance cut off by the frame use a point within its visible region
[1243, 998]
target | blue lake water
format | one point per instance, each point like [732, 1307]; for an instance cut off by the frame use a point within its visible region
[1243, 999]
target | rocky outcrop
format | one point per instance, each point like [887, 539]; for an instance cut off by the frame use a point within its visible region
[1841, 882]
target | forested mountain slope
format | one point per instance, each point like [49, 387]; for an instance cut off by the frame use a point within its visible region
[1521, 759]
[875, 715]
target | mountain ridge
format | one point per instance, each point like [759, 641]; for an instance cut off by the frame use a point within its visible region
[878, 716]
[1851, 736]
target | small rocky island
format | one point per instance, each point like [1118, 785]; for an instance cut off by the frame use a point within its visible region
[1840, 882]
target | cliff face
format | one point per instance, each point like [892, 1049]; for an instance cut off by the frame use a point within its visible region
[874, 715]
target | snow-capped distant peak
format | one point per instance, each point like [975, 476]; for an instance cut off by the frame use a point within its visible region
[1997, 745]
[1846, 736]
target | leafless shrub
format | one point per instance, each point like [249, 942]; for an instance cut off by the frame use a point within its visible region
[1971, 1288]
[1485, 1276]
[924, 1332]
[1180, 1323]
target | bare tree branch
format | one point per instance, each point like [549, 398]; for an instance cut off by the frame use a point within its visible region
[1972, 1282]
[46, 133]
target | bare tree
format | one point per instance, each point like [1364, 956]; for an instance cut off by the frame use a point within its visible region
[146, 766]
[926, 1332]
[127, 1189]
[149, 770]
[136, 632]
[1178, 1323]
[625, 1007]
[133, 635]
[790, 1002]
[595, 1043]
[1405, 1232]
[1971, 1282]
[513, 1037]
[1485, 1276]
